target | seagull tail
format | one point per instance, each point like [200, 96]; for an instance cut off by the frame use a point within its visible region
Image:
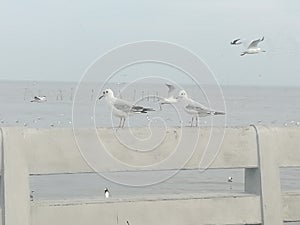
[145, 110]
[243, 53]
[219, 113]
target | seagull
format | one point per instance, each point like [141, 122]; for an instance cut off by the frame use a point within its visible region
[237, 41]
[170, 99]
[31, 195]
[121, 108]
[39, 99]
[252, 48]
[230, 179]
[194, 108]
[106, 193]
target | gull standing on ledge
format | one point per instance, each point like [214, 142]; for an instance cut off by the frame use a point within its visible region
[194, 108]
[121, 108]
[253, 49]
[170, 99]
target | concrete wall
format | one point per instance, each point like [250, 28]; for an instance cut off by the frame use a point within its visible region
[261, 150]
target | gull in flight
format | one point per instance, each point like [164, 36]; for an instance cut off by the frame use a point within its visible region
[253, 48]
[121, 108]
[39, 99]
[194, 108]
[170, 99]
[237, 41]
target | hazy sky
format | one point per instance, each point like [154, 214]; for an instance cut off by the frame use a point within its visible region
[58, 39]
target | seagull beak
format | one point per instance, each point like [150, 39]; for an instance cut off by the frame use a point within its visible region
[101, 97]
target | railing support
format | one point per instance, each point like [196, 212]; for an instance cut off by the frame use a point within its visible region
[14, 185]
[265, 180]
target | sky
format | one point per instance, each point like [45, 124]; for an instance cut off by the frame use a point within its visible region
[57, 40]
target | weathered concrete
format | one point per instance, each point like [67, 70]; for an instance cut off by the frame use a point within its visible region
[266, 179]
[291, 206]
[55, 150]
[261, 152]
[14, 184]
[175, 211]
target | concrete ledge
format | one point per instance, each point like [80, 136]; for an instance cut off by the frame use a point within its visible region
[291, 206]
[55, 150]
[226, 210]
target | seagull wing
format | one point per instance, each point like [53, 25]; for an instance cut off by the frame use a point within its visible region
[254, 43]
[127, 107]
[122, 105]
[171, 88]
[235, 41]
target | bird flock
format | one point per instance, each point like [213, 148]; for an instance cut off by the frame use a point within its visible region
[123, 109]
[252, 48]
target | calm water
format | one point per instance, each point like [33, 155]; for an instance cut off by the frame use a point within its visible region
[276, 106]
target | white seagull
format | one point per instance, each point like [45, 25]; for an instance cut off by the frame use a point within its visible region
[106, 193]
[170, 99]
[39, 99]
[237, 41]
[194, 108]
[253, 48]
[121, 108]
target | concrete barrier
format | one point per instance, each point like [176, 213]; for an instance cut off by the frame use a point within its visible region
[260, 150]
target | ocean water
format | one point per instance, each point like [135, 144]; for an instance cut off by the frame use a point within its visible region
[274, 106]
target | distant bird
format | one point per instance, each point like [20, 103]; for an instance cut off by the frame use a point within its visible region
[121, 108]
[106, 193]
[230, 179]
[252, 48]
[194, 108]
[170, 99]
[298, 123]
[39, 99]
[31, 195]
[236, 42]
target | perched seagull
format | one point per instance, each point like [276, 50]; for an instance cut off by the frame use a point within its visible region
[170, 99]
[121, 108]
[252, 48]
[31, 195]
[237, 41]
[39, 99]
[106, 193]
[194, 108]
[230, 179]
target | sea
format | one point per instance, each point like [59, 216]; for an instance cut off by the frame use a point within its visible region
[243, 105]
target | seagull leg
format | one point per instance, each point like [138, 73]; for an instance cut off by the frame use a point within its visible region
[192, 121]
[120, 122]
[196, 121]
[123, 122]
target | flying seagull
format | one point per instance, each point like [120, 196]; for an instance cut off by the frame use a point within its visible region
[253, 48]
[236, 42]
[39, 99]
[170, 99]
[121, 108]
[194, 108]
